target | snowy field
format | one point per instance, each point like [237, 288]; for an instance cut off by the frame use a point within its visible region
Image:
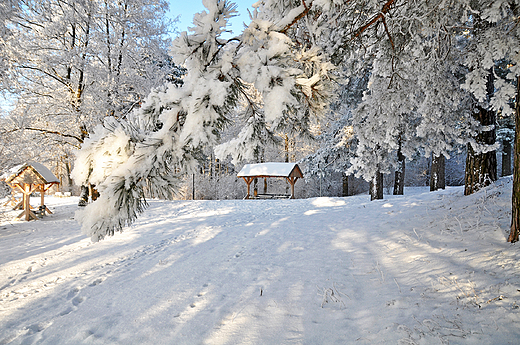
[426, 268]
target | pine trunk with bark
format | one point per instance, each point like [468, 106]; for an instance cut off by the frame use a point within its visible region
[376, 187]
[515, 200]
[83, 196]
[438, 173]
[506, 157]
[399, 173]
[345, 185]
[481, 168]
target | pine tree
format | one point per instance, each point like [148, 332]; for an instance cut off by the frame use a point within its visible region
[481, 167]
[164, 139]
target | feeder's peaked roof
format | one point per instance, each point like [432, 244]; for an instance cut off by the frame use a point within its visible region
[271, 170]
[36, 174]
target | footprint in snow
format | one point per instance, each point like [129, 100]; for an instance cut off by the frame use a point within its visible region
[78, 300]
[96, 282]
[66, 311]
[72, 293]
[38, 327]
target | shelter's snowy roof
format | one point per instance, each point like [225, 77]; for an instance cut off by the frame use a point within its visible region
[41, 169]
[44, 171]
[268, 169]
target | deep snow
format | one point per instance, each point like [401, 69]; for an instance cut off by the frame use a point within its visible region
[424, 268]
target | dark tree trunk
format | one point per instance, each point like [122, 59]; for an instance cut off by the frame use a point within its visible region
[438, 173]
[376, 187]
[506, 157]
[399, 173]
[515, 202]
[481, 168]
[345, 185]
[83, 196]
[66, 180]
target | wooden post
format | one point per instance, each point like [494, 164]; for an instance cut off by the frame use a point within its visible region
[42, 203]
[12, 200]
[42, 195]
[248, 182]
[27, 190]
[27, 204]
[292, 181]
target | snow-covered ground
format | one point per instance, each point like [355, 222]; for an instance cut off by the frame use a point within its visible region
[426, 268]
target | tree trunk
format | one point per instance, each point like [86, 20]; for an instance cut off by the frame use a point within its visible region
[399, 173]
[345, 185]
[286, 147]
[515, 202]
[481, 168]
[506, 157]
[376, 187]
[83, 197]
[68, 179]
[438, 173]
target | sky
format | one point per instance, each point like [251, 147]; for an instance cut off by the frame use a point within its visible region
[187, 8]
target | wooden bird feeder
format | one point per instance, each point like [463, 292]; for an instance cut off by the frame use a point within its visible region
[29, 178]
[290, 171]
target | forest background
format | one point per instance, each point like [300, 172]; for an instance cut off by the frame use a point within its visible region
[352, 91]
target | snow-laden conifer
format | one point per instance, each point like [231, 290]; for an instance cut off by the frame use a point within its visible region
[162, 140]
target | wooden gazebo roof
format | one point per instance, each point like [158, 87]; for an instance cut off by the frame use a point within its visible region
[32, 173]
[290, 171]
[271, 170]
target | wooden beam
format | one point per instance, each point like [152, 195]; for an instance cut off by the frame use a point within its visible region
[19, 206]
[42, 194]
[28, 189]
[42, 198]
[291, 181]
[248, 182]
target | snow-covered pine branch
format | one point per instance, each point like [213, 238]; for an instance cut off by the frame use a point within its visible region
[161, 140]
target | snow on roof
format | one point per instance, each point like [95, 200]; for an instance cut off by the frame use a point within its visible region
[44, 171]
[268, 169]
[41, 169]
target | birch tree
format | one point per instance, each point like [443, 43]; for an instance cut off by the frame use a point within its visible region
[74, 62]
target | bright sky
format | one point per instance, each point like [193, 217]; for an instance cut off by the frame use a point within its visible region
[187, 8]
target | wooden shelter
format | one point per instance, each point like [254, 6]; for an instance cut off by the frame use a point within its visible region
[290, 171]
[28, 178]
